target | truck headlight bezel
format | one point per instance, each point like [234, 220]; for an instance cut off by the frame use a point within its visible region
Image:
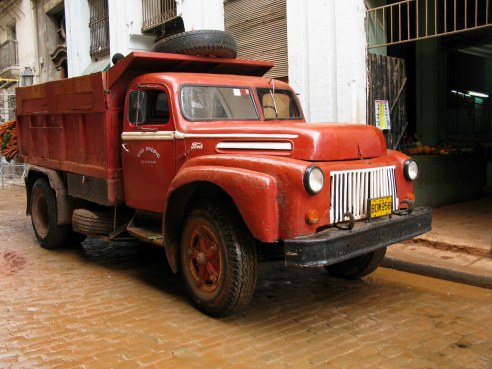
[411, 170]
[314, 180]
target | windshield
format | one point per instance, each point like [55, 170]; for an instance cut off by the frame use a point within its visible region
[278, 104]
[217, 103]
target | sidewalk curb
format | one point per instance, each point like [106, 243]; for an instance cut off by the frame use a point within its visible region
[447, 273]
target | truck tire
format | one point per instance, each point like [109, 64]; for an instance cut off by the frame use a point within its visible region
[218, 259]
[202, 43]
[44, 217]
[357, 267]
[92, 223]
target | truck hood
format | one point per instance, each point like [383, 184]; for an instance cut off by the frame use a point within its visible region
[306, 141]
[331, 141]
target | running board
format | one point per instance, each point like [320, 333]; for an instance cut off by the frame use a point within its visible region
[149, 234]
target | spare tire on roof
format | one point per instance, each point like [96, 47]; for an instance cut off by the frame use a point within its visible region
[202, 43]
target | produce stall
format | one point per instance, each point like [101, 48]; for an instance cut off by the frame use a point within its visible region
[8, 140]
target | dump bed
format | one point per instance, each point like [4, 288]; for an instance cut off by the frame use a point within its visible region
[66, 125]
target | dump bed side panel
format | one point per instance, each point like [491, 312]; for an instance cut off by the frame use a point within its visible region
[67, 125]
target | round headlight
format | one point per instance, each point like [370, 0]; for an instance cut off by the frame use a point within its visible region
[411, 170]
[314, 180]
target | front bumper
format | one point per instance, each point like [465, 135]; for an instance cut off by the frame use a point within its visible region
[334, 245]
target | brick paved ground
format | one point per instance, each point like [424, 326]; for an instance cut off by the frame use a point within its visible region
[119, 306]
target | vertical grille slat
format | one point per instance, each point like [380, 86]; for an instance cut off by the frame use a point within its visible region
[350, 190]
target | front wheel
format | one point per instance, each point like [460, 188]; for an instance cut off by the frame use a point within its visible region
[357, 267]
[44, 217]
[218, 259]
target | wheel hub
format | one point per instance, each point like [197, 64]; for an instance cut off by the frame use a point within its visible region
[205, 259]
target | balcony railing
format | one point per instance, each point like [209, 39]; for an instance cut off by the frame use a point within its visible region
[99, 26]
[157, 12]
[412, 20]
[9, 56]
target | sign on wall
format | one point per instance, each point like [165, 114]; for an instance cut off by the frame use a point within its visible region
[381, 110]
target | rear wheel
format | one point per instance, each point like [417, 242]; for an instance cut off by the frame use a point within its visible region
[357, 267]
[44, 217]
[218, 259]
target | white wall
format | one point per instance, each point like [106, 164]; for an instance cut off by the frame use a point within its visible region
[125, 28]
[78, 36]
[327, 58]
[26, 34]
[125, 35]
[201, 14]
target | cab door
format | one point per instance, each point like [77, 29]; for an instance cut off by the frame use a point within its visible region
[148, 148]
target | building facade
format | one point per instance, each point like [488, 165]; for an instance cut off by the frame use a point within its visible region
[16, 27]
[32, 46]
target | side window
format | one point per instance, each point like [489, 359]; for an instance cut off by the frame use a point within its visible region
[161, 107]
[278, 104]
[148, 107]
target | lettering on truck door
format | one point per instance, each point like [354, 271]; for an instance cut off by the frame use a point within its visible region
[148, 148]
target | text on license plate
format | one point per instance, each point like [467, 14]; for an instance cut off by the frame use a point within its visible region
[380, 206]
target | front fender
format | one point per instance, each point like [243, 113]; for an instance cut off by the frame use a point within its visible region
[254, 194]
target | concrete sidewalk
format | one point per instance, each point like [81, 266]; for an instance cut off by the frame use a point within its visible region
[459, 247]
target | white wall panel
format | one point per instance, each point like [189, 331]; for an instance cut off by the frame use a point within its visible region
[327, 58]
[201, 14]
[78, 36]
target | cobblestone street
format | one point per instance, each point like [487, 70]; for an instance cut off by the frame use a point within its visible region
[119, 306]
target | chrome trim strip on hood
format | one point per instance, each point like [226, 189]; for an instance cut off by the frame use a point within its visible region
[255, 145]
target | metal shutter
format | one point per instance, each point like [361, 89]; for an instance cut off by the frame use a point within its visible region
[260, 29]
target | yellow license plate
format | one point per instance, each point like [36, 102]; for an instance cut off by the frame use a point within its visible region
[380, 206]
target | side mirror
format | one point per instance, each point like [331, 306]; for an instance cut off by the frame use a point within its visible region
[137, 107]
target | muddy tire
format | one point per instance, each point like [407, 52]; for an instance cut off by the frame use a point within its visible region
[202, 43]
[218, 259]
[44, 217]
[357, 267]
[92, 223]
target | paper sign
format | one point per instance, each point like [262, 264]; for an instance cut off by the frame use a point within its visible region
[382, 114]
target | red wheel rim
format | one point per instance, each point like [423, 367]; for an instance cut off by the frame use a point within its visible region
[40, 214]
[205, 259]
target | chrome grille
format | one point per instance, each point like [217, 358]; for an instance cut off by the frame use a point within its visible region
[350, 190]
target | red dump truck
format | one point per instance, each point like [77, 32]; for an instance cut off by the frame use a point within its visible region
[208, 159]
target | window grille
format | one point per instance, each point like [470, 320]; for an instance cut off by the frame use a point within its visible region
[99, 27]
[157, 12]
[8, 54]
